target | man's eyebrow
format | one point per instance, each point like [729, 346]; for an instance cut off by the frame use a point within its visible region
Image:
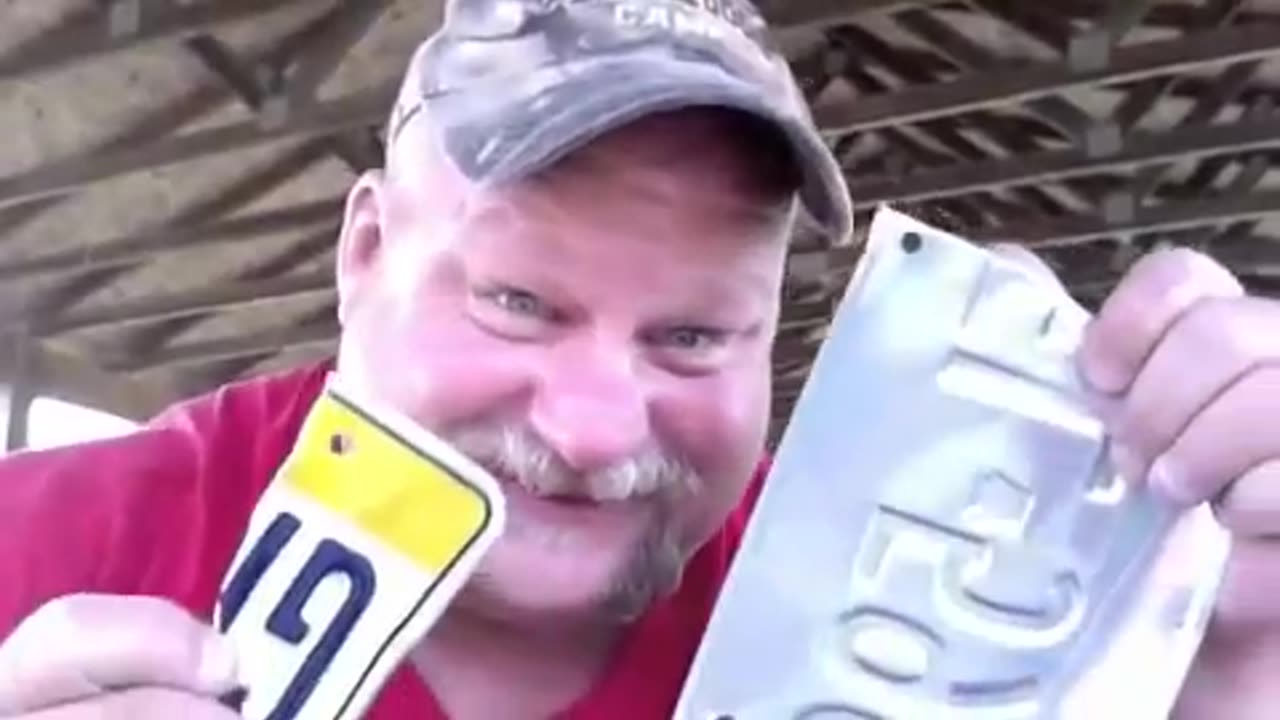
[714, 292]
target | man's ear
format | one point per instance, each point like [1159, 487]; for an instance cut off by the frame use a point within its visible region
[360, 241]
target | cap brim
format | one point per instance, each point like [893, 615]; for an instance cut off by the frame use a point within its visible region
[525, 132]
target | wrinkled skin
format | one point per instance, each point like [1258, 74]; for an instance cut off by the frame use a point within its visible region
[1188, 359]
[619, 323]
[608, 315]
[1189, 365]
[619, 314]
[1192, 363]
[94, 657]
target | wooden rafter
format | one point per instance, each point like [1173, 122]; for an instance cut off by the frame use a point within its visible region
[359, 109]
[168, 239]
[59, 374]
[1145, 148]
[165, 306]
[1091, 129]
[996, 88]
[122, 27]
[312, 54]
[796, 15]
[318, 329]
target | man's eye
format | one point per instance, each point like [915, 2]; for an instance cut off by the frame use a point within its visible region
[520, 302]
[691, 338]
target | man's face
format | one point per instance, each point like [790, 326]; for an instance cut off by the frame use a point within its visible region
[599, 338]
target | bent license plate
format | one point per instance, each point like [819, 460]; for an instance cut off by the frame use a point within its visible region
[366, 534]
[942, 535]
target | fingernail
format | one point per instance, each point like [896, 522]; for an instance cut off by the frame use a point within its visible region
[1127, 463]
[217, 669]
[1165, 479]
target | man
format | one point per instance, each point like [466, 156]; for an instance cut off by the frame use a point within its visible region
[570, 268]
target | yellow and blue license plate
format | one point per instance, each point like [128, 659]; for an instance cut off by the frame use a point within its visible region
[370, 528]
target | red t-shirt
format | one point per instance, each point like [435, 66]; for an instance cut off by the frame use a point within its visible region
[160, 512]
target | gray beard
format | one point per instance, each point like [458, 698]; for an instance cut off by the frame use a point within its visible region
[653, 573]
[656, 565]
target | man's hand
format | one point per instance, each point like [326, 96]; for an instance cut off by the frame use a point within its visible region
[1193, 365]
[105, 657]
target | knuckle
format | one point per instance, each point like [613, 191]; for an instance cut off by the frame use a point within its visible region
[1217, 324]
[61, 616]
[1236, 336]
[1248, 506]
[73, 615]
[1124, 309]
[1181, 270]
[1239, 518]
[1122, 330]
[1239, 339]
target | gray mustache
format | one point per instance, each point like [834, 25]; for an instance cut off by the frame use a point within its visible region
[521, 455]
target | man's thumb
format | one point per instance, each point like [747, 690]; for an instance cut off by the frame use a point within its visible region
[83, 645]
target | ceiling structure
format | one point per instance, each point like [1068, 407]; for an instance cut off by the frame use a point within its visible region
[174, 170]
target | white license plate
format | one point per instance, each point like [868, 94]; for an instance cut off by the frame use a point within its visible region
[942, 535]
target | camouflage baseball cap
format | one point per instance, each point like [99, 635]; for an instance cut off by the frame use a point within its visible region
[511, 86]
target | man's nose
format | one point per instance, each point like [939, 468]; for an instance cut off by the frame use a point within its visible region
[591, 407]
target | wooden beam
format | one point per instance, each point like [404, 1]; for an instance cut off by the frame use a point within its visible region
[203, 352]
[359, 109]
[1093, 47]
[169, 239]
[73, 379]
[1142, 148]
[1229, 86]
[321, 51]
[59, 298]
[1122, 16]
[22, 392]
[315, 45]
[189, 302]
[1167, 16]
[327, 45]
[788, 16]
[270, 266]
[1089, 273]
[102, 34]
[997, 88]
[152, 124]
[1058, 113]
[1144, 98]
[1035, 22]
[1167, 217]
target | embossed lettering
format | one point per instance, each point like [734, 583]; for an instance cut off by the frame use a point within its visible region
[264, 553]
[287, 623]
[985, 588]
[286, 620]
[668, 18]
[890, 646]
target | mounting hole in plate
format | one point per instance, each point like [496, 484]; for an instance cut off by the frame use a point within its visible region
[912, 242]
[341, 444]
